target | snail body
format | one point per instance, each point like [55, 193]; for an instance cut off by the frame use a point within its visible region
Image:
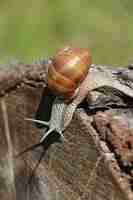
[67, 71]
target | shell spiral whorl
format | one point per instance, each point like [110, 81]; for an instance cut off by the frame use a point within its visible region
[68, 69]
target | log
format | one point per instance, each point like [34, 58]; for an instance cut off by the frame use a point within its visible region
[94, 162]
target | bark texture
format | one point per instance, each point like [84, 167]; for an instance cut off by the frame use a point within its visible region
[96, 159]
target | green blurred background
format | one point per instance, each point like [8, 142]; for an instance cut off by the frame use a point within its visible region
[32, 29]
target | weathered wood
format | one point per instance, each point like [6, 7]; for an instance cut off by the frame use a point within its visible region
[82, 167]
[14, 76]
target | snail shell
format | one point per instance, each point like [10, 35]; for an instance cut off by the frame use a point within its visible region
[67, 71]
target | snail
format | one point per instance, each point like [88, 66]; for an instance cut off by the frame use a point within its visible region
[68, 80]
[67, 71]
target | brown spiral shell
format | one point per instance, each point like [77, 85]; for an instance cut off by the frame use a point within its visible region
[68, 69]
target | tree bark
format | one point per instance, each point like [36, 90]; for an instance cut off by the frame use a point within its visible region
[94, 162]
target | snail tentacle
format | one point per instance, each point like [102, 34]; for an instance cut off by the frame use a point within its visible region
[46, 134]
[37, 121]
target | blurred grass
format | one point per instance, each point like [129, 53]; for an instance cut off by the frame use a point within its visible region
[33, 29]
